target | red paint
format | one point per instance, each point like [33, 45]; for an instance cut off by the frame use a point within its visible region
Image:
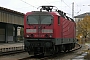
[66, 28]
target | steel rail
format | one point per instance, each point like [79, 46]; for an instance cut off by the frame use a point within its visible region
[51, 56]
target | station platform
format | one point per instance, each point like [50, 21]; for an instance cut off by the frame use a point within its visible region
[6, 47]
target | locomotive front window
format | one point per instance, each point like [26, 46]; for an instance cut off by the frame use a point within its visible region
[46, 19]
[39, 19]
[32, 19]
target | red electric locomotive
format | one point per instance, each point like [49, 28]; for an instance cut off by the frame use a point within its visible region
[48, 32]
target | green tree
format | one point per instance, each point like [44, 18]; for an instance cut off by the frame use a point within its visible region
[83, 26]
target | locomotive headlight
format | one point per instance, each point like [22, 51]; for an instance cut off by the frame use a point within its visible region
[50, 36]
[47, 30]
[27, 35]
[30, 30]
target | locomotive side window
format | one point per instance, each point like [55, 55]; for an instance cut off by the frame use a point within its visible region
[58, 19]
[32, 19]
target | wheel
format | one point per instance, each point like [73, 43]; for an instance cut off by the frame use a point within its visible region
[39, 55]
[29, 52]
[64, 48]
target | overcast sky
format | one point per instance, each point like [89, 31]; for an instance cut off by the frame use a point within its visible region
[80, 6]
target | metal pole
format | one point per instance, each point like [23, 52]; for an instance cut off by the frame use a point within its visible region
[73, 10]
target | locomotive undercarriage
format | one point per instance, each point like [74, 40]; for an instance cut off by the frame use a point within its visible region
[63, 48]
[46, 47]
[39, 47]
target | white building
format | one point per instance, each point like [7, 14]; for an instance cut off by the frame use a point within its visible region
[81, 16]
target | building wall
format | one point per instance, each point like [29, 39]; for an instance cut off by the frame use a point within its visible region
[11, 18]
[2, 34]
[9, 32]
[18, 31]
[78, 19]
[8, 20]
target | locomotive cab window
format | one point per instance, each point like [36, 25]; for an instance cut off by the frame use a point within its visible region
[32, 19]
[39, 19]
[58, 20]
[46, 19]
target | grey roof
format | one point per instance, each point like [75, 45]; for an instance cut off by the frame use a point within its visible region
[12, 11]
[82, 15]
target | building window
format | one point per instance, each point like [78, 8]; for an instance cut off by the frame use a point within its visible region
[78, 20]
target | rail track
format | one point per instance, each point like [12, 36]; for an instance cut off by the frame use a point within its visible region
[77, 47]
[11, 50]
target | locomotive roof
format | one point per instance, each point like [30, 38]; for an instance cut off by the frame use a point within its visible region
[64, 15]
[40, 13]
[44, 12]
[55, 13]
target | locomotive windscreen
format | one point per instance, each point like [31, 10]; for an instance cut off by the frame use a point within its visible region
[39, 19]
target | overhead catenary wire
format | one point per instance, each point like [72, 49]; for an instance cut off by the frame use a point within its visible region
[28, 3]
[47, 1]
[65, 3]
